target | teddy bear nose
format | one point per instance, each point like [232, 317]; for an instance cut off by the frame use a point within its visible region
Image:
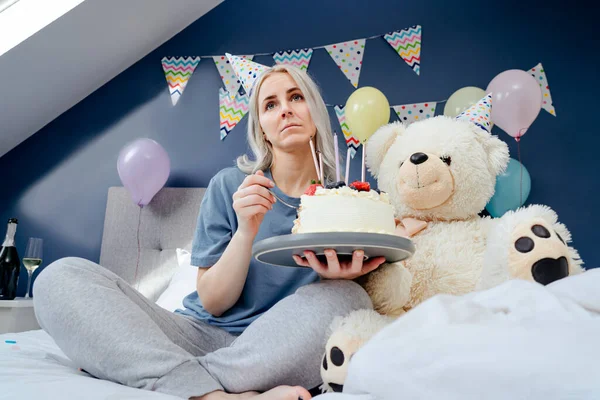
[418, 158]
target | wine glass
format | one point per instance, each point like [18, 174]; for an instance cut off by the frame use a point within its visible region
[32, 259]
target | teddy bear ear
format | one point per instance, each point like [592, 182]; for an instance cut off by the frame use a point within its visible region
[496, 149]
[379, 143]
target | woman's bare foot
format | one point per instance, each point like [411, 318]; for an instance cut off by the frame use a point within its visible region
[278, 393]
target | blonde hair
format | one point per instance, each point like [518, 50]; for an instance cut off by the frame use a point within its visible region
[263, 153]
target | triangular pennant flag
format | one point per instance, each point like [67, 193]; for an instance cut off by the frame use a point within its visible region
[348, 57]
[540, 76]
[230, 80]
[351, 141]
[231, 111]
[409, 113]
[479, 113]
[297, 58]
[178, 71]
[247, 71]
[407, 43]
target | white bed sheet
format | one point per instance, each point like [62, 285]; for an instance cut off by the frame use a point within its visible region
[35, 368]
[519, 340]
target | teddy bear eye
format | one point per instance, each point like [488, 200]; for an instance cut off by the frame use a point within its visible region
[446, 159]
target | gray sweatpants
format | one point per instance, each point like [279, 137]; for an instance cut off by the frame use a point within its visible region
[113, 332]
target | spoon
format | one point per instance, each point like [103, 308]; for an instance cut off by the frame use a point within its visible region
[282, 201]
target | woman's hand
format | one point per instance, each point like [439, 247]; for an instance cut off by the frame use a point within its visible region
[251, 202]
[336, 269]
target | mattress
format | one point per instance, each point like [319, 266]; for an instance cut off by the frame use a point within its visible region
[35, 368]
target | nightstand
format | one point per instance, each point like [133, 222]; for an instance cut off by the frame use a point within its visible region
[17, 315]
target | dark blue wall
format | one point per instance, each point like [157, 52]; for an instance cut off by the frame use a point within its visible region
[56, 182]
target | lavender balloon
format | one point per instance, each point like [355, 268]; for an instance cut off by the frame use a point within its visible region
[144, 168]
[516, 101]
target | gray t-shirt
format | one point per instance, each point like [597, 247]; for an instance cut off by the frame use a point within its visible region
[266, 284]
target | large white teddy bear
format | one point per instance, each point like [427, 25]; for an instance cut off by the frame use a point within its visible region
[440, 173]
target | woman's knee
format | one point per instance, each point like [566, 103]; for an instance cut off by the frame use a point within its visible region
[60, 275]
[344, 295]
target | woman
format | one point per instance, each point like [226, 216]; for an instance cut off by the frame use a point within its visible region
[249, 327]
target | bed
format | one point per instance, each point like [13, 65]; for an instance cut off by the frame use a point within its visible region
[518, 340]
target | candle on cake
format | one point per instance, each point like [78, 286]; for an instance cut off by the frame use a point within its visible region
[362, 175]
[312, 149]
[337, 157]
[347, 176]
[321, 177]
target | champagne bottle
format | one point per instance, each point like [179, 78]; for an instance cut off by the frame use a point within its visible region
[10, 264]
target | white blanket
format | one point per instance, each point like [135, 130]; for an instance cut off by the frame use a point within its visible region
[519, 340]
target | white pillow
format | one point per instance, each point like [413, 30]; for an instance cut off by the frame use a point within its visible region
[182, 283]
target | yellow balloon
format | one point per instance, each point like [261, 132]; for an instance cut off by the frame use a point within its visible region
[462, 99]
[366, 110]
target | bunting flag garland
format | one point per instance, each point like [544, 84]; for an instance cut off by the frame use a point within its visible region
[348, 57]
[230, 80]
[178, 71]
[297, 58]
[231, 110]
[540, 75]
[409, 113]
[239, 74]
[407, 43]
[351, 141]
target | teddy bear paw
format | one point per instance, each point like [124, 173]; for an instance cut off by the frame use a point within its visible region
[528, 243]
[349, 333]
[334, 359]
[538, 253]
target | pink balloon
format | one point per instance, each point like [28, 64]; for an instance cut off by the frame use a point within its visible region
[516, 101]
[144, 168]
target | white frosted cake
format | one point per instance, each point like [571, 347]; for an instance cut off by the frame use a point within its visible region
[344, 209]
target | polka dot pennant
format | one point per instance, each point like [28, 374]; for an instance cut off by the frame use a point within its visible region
[348, 57]
[479, 113]
[297, 58]
[228, 76]
[540, 76]
[409, 113]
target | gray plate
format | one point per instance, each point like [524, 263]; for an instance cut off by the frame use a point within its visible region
[278, 250]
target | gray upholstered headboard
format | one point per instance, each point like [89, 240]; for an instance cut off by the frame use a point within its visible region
[167, 223]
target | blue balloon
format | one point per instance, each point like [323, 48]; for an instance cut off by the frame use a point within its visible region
[509, 194]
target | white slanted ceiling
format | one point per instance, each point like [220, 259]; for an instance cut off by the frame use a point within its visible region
[88, 41]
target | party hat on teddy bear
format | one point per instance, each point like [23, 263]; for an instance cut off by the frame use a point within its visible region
[247, 71]
[479, 113]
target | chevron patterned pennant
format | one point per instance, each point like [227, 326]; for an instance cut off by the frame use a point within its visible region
[351, 141]
[297, 58]
[348, 56]
[231, 111]
[409, 113]
[178, 71]
[540, 76]
[230, 80]
[407, 43]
